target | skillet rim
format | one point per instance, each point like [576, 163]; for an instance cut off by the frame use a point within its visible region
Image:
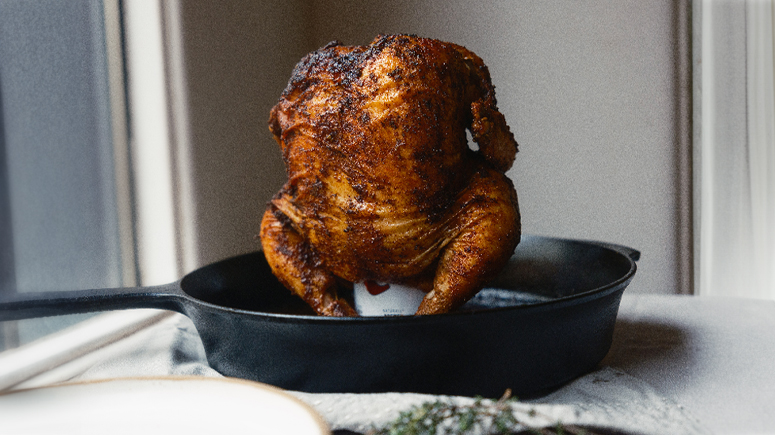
[629, 254]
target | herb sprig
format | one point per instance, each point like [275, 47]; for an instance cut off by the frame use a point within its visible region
[483, 416]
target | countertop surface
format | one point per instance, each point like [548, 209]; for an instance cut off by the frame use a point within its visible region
[714, 356]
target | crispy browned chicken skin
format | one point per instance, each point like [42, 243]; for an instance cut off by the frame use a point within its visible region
[382, 184]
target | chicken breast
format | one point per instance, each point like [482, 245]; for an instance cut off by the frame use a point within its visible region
[382, 184]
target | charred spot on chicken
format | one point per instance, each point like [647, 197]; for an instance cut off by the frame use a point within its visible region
[382, 185]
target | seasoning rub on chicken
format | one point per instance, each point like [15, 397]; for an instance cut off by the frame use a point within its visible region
[382, 184]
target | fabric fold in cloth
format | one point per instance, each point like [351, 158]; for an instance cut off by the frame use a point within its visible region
[606, 398]
[171, 347]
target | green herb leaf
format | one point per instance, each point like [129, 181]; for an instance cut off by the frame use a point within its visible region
[482, 416]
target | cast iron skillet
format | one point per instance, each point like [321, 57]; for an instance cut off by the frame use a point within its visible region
[548, 318]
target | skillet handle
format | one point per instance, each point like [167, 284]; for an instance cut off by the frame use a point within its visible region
[630, 252]
[19, 306]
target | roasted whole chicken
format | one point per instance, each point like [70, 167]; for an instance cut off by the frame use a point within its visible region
[382, 184]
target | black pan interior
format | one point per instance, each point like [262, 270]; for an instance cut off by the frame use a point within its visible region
[542, 269]
[545, 268]
[245, 282]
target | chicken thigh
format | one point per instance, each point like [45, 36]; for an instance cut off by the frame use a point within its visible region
[382, 184]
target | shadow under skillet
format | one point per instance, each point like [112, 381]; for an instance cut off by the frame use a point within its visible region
[639, 345]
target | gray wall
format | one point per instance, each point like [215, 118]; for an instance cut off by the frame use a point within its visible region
[239, 55]
[591, 89]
